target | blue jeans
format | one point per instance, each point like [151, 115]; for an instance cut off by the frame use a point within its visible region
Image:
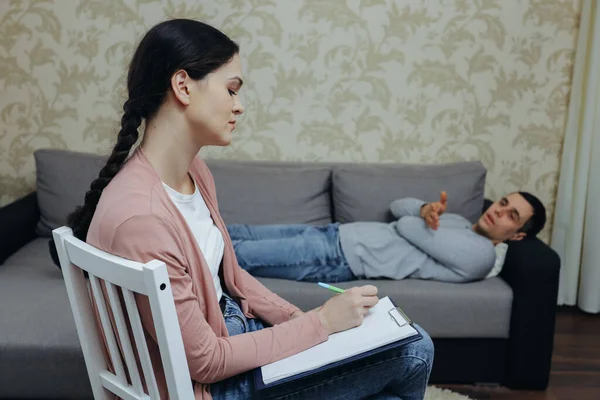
[295, 252]
[402, 373]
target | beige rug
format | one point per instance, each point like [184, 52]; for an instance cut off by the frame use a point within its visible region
[434, 393]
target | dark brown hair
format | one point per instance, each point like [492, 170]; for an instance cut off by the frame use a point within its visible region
[536, 223]
[179, 44]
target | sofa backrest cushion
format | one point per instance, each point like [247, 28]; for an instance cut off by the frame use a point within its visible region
[269, 192]
[248, 192]
[264, 192]
[62, 179]
[364, 192]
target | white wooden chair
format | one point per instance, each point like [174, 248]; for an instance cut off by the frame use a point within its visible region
[149, 279]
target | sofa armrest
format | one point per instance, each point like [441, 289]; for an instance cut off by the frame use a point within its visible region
[17, 224]
[532, 270]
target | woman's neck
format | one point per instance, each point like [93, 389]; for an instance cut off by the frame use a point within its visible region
[170, 150]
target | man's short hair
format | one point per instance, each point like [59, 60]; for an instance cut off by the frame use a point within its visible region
[536, 223]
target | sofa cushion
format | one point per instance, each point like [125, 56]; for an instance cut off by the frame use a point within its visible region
[365, 192]
[445, 310]
[263, 192]
[37, 332]
[62, 179]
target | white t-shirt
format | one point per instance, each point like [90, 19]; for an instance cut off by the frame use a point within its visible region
[208, 236]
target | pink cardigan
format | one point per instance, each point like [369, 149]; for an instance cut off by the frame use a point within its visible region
[136, 219]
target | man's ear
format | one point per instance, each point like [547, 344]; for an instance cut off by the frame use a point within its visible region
[518, 236]
[179, 84]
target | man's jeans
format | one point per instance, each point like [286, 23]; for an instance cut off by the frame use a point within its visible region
[295, 252]
[401, 373]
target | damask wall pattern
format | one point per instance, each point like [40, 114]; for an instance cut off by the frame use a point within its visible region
[411, 81]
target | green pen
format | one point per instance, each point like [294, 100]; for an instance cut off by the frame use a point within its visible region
[330, 287]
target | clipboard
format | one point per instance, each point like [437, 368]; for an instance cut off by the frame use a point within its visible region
[259, 384]
[403, 314]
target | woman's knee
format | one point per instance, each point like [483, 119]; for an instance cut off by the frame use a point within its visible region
[424, 348]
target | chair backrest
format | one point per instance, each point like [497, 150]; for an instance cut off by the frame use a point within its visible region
[127, 277]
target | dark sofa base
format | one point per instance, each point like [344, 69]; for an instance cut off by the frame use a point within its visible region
[32, 373]
[461, 361]
[469, 361]
[457, 361]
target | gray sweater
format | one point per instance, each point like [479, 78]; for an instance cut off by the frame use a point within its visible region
[408, 248]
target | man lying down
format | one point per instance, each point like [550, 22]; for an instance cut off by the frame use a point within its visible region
[423, 242]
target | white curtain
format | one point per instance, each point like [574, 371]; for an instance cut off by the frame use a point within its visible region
[576, 229]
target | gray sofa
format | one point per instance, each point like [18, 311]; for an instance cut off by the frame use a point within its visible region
[498, 330]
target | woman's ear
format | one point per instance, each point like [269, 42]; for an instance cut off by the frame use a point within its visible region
[180, 82]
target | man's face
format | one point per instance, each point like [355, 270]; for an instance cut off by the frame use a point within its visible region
[504, 218]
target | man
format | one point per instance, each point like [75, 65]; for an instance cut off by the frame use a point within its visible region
[423, 243]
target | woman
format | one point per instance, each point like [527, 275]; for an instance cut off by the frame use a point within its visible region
[184, 82]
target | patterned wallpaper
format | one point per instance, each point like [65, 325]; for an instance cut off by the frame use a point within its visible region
[409, 81]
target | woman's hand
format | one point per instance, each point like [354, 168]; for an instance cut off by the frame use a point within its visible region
[347, 310]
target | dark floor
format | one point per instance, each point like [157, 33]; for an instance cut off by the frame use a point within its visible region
[575, 364]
